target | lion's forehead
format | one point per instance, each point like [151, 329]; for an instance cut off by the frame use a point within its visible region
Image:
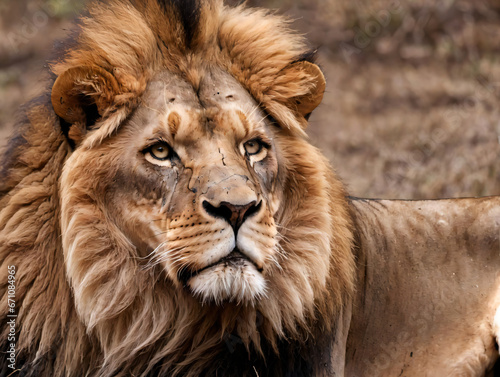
[215, 103]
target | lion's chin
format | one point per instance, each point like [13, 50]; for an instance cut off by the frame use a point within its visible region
[237, 281]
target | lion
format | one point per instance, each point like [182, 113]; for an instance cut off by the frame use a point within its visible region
[163, 213]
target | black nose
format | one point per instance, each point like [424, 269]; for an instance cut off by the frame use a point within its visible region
[233, 214]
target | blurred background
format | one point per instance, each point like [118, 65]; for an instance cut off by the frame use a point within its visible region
[411, 108]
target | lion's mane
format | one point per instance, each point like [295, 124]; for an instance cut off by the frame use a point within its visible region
[135, 323]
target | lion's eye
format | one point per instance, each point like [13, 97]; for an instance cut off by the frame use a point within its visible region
[160, 151]
[253, 147]
[255, 150]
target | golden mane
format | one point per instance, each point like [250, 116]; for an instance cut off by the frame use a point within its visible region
[156, 331]
[134, 41]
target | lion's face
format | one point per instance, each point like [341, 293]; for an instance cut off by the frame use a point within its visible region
[191, 182]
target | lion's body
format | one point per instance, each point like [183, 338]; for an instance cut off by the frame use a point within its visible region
[428, 288]
[166, 216]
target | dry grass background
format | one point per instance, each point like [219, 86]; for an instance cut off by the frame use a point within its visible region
[411, 109]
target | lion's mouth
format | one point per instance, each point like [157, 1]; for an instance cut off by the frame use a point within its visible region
[234, 259]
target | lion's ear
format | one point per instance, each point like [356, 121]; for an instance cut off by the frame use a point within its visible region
[307, 102]
[80, 97]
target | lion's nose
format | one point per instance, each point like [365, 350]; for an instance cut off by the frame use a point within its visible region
[233, 214]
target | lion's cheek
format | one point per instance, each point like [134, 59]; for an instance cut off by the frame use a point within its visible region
[142, 221]
[257, 245]
[181, 250]
[257, 239]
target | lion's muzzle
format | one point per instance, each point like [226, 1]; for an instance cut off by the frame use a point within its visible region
[230, 267]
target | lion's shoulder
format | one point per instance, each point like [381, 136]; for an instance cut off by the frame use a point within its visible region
[428, 268]
[424, 218]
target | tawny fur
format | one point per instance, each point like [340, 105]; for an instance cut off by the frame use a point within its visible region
[121, 319]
